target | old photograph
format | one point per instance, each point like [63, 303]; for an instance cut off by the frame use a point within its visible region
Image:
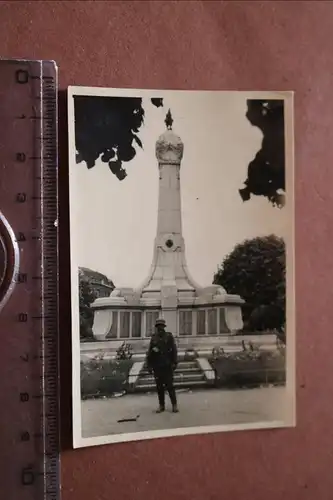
[182, 262]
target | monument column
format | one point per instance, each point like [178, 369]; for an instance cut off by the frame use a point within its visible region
[169, 219]
[168, 278]
[169, 241]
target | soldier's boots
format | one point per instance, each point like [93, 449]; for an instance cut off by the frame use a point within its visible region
[161, 409]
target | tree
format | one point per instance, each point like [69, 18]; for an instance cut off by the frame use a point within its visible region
[86, 298]
[107, 127]
[266, 172]
[256, 270]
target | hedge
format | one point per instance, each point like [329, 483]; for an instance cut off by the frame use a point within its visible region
[101, 377]
[248, 369]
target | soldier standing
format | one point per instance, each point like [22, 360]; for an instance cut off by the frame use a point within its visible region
[162, 361]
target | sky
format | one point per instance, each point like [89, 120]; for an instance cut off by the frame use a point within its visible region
[114, 222]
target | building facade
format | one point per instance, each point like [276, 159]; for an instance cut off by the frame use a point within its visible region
[169, 291]
[100, 284]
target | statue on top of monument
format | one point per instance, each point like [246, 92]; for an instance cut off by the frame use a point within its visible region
[168, 120]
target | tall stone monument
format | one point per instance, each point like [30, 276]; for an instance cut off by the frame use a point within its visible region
[190, 310]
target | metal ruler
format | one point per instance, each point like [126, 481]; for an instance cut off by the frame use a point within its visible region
[29, 420]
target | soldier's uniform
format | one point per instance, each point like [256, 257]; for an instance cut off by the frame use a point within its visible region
[162, 361]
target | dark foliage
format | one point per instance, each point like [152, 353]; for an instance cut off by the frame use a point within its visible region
[125, 351]
[157, 101]
[266, 172]
[108, 127]
[249, 369]
[255, 270]
[190, 355]
[100, 378]
[86, 298]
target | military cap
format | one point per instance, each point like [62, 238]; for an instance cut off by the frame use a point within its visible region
[160, 321]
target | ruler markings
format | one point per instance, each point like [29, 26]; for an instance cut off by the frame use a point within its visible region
[39, 106]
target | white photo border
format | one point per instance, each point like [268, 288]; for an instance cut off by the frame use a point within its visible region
[290, 400]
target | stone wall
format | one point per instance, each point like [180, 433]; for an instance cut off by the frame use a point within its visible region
[204, 345]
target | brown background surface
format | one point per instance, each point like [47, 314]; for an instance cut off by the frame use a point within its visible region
[209, 45]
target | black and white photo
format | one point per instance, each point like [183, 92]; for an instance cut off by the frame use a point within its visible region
[182, 261]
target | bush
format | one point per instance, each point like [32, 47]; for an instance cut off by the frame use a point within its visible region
[249, 368]
[125, 351]
[190, 355]
[101, 377]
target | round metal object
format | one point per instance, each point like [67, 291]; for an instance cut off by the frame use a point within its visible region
[9, 260]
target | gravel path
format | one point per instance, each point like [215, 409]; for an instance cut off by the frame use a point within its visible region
[198, 408]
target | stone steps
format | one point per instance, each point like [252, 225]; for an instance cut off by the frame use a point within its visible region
[182, 367]
[188, 374]
[178, 377]
[178, 385]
